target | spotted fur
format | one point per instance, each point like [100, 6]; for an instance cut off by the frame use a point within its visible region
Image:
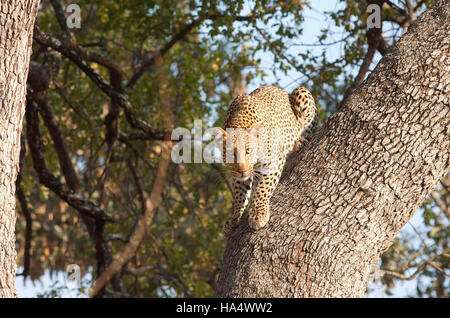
[266, 108]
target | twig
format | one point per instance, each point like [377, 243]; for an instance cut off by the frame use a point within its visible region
[419, 269]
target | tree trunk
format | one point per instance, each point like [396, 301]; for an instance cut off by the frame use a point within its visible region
[16, 30]
[357, 182]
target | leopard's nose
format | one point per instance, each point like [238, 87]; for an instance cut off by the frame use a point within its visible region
[242, 173]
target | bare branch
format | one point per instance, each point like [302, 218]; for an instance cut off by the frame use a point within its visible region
[151, 61]
[441, 204]
[294, 64]
[60, 146]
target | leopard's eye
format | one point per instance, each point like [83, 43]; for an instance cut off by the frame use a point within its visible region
[247, 151]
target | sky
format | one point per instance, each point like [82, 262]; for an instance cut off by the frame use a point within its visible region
[314, 22]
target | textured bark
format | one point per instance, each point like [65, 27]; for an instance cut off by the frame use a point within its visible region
[357, 182]
[16, 30]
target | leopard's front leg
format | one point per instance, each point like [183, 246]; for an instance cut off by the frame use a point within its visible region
[259, 213]
[241, 196]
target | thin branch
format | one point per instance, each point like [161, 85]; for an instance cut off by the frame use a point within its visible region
[145, 221]
[59, 142]
[140, 270]
[398, 16]
[123, 138]
[138, 186]
[441, 204]
[75, 54]
[174, 279]
[419, 269]
[46, 178]
[419, 5]
[375, 41]
[26, 212]
[181, 34]
[419, 235]
[151, 61]
[60, 16]
[164, 134]
[294, 64]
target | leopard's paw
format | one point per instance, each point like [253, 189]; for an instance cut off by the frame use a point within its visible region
[258, 219]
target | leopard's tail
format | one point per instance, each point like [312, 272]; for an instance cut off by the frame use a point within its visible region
[304, 108]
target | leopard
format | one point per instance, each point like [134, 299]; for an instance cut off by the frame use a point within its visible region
[259, 132]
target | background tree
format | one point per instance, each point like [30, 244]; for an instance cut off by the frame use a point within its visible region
[16, 28]
[95, 131]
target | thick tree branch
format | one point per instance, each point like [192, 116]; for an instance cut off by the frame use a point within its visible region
[39, 79]
[92, 215]
[357, 182]
[59, 142]
[60, 16]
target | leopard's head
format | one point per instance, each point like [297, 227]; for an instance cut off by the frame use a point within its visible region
[239, 150]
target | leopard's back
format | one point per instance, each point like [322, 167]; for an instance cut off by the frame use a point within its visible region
[267, 107]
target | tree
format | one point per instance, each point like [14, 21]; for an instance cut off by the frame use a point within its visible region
[16, 29]
[358, 181]
[96, 131]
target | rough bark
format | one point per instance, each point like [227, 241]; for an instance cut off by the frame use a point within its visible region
[16, 34]
[357, 182]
